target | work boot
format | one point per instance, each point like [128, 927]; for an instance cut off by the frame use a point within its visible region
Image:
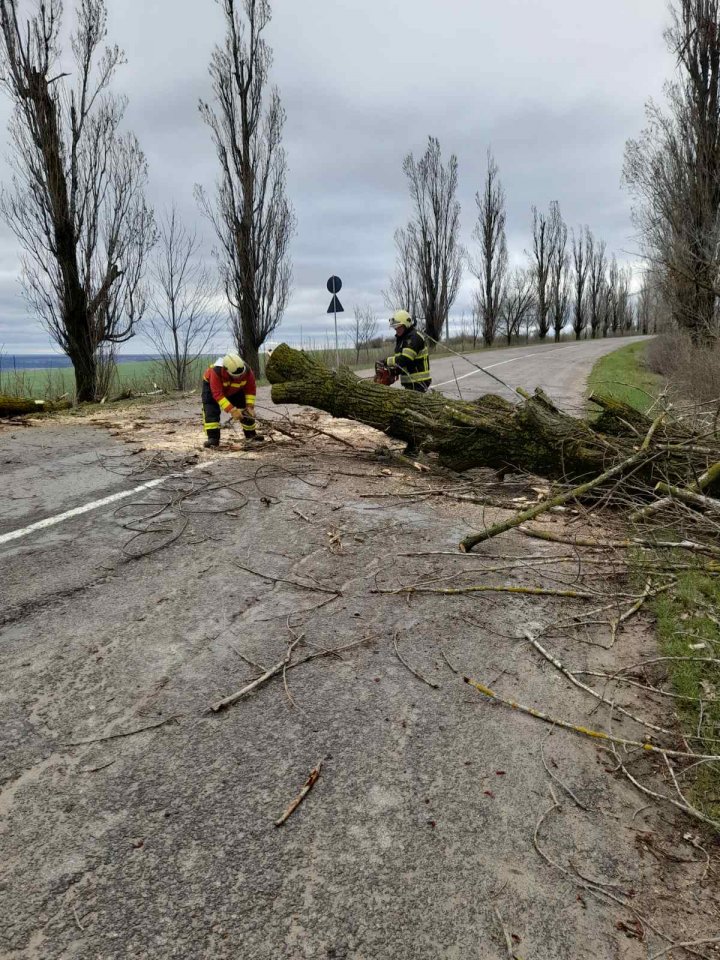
[411, 450]
[212, 442]
[254, 438]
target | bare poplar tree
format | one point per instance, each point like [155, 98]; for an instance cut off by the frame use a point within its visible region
[651, 307]
[518, 304]
[403, 292]
[612, 318]
[252, 217]
[673, 170]
[544, 241]
[434, 232]
[559, 272]
[624, 307]
[184, 312]
[365, 327]
[77, 202]
[581, 255]
[597, 266]
[491, 265]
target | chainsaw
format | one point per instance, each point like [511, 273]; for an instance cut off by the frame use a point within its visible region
[384, 374]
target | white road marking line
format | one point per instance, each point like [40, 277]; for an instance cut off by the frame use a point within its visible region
[492, 366]
[95, 505]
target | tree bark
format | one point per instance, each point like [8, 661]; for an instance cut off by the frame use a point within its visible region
[532, 435]
[16, 406]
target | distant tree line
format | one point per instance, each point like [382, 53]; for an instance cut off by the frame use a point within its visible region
[567, 281]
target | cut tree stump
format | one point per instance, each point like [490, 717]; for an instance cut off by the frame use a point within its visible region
[532, 435]
[17, 406]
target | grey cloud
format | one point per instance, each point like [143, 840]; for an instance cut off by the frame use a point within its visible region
[555, 87]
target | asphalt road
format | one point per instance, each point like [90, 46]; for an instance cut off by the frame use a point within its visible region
[134, 823]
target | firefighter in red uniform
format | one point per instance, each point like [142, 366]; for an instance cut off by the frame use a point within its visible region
[229, 385]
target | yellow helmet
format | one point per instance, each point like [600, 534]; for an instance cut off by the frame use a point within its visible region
[401, 318]
[233, 363]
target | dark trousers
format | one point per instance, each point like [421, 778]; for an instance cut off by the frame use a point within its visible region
[211, 413]
[422, 387]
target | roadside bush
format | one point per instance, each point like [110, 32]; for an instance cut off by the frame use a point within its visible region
[693, 372]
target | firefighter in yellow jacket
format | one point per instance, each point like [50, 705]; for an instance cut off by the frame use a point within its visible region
[229, 385]
[411, 358]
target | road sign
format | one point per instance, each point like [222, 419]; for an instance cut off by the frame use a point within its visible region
[334, 285]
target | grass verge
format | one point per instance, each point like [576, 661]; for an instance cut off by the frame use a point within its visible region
[623, 375]
[687, 616]
[688, 627]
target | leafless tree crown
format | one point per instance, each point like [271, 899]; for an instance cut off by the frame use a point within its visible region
[253, 220]
[433, 233]
[491, 264]
[518, 305]
[543, 247]
[559, 272]
[403, 292]
[581, 244]
[673, 170]
[184, 313]
[365, 328]
[77, 202]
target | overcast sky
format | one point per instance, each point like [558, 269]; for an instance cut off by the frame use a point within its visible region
[554, 87]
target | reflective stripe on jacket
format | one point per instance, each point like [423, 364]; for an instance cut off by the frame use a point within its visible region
[412, 357]
[223, 384]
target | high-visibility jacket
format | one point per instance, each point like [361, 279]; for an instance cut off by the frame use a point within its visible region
[223, 385]
[412, 357]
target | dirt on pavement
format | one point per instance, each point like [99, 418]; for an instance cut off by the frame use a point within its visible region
[137, 823]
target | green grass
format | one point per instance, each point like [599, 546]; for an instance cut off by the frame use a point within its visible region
[687, 617]
[623, 376]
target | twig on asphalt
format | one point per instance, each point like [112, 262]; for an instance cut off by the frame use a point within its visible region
[506, 935]
[593, 693]
[294, 583]
[444, 656]
[307, 787]
[649, 591]
[686, 943]
[487, 588]
[584, 731]
[557, 779]
[435, 686]
[254, 684]
[248, 661]
[126, 733]
[686, 808]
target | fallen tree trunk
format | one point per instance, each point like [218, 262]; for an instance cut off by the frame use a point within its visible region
[532, 435]
[17, 406]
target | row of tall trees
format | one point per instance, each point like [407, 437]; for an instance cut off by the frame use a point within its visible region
[77, 201]
[568, 279]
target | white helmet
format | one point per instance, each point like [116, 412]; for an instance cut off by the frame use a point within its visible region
[401, 318]
[234, 363]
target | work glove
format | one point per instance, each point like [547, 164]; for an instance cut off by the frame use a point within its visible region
[236, 414]
[250, 412]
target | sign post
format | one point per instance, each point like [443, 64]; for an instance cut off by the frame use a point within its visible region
[334, 285]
